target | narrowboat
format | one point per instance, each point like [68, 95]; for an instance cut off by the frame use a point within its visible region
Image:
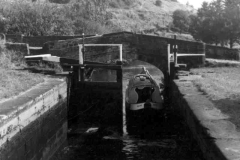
[144, 97]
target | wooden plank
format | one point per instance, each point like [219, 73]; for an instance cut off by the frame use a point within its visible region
[117, 45]
[99, 85]
[51, 59]
[107, 66]
[188, 54]
[104, 66]
[37, 56]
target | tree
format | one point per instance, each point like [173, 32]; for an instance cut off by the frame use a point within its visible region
[217, 22]
[181, 20]
[208, 25]
[158, 3]
[232, 21]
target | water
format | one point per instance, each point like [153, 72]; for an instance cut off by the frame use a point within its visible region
[165, 138]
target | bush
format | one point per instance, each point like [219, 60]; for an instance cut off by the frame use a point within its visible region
[129, 2]
[121, 3]
[158, 3]
[114, 4]
[35, 19]
[10, 59]
[181, 20]
[90, 27]
[41, 19]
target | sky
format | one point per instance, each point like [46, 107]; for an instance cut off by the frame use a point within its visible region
[196, 3]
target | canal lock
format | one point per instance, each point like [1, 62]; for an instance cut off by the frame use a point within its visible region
[97, 129]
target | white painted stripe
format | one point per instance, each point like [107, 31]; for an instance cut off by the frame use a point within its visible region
[35, 56]
[102, 45]
[181, 55]
[139, 106]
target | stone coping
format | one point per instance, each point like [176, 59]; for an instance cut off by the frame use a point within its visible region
[19, 111]
[215, 133]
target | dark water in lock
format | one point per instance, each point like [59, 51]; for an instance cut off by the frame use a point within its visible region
[166, 138]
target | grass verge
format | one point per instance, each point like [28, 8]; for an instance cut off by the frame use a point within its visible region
[13, 79]
[219, 82]
[13, 82]
[222, 86]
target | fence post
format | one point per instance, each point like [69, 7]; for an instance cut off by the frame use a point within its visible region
[174, 66]
[168, 59]
[175, 50]
[120, 54]
[81, 62]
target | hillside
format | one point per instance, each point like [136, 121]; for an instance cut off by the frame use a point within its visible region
[141, 16]
[70, 17]
[146, 16]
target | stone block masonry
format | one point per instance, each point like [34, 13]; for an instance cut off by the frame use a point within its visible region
[152, 49]
[217, 137]
[217, 52]
[70, 42]
[33, 125]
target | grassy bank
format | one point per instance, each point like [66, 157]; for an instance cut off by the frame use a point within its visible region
[13, 78]
[220, 82]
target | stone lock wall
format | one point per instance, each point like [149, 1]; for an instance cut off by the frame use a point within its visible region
[34, 125]
[19, 48]
[217, 52]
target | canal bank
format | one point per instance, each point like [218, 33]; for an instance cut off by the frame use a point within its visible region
[213, 130]
[39, 130]
[33, 125]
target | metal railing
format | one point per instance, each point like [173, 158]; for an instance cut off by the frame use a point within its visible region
[173, 57]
